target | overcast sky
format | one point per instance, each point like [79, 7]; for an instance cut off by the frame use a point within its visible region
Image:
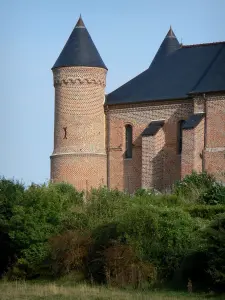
[127, 35]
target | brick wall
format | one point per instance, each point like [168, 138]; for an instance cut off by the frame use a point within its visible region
[83, 171]
[148, 154]
[127, 174]
[153, 160]
[79, 98]
[193, 146]
[187, 158]
[215, 135]
[199, 146]
[206, 152]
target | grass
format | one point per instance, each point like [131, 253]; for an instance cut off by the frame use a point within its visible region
[56, 291]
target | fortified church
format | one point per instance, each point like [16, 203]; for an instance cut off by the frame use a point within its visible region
[151, 131]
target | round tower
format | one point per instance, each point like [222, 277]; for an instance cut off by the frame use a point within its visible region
[79, 155]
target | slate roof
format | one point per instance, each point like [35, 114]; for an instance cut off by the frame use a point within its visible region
[175, 72]
[193, 121]
[79, 50]
[153, 128]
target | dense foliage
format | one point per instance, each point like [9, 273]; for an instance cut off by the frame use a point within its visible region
[215, 238]
[111, 237]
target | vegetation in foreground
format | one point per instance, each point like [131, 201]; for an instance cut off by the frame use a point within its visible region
[54, 291]
[143, 241]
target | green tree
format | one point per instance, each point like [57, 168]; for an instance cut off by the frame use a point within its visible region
[11, 193]
[28, 218]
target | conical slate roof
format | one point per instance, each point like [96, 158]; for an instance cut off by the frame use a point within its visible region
[175, 72]
[169, 45]
[79, 50]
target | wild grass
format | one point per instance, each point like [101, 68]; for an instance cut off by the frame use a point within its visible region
[55, 291]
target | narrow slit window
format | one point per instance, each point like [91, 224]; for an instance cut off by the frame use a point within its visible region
[128, 153]
[65, 132]
[180, 136]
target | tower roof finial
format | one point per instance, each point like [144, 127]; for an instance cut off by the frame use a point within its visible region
[80, 23]
[170, 32]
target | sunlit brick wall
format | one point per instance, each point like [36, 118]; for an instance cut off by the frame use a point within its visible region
[126, 174]
[215, 135]
[79, 155]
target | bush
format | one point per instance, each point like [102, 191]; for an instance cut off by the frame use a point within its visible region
[113, 261]
[68, 192]
[113, 237]
[215, 239]
[200, 188]
[123, 268]
[194, 267]
[195, 183]
[214, 195]
[146, 192]
[104, 205]
[162, 200]
[11, 193]
[28, 218]
[205, 211]
[104, 236]
[161, 236]
[69, 251]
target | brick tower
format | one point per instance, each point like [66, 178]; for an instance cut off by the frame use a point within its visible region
[79, 155]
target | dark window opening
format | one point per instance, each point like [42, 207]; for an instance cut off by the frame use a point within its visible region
[128, 153]
[65, 132]
[180, 136]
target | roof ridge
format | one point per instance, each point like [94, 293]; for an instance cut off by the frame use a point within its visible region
[203, 44]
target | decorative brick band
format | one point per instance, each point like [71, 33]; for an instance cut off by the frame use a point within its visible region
[218, 149]
[73, 80]
[78, 76]
[78, 154]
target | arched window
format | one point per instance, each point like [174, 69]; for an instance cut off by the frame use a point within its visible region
[128, 153]
[180, 136]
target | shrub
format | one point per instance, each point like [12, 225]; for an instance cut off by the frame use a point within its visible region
[104, 205]
[68, 191]
[161, 236]
[192, 184]
[146, 192]
[11, 193]
[163, 200]
[194, 266]
[215, 239]
[34, 215]
[69, 251]
[75, 220]
[104, 236]
[123, 268]
[205, 211]
[214, 195]
[113, 261]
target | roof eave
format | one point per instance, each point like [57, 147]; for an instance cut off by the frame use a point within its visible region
[66, 66]
[206, 92]
[150, 100]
